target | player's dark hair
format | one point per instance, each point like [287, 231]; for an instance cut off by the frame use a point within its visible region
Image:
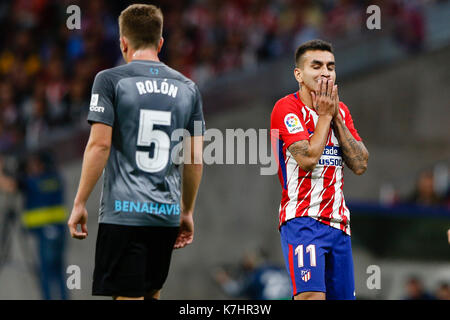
[142, 25]
[311, 45]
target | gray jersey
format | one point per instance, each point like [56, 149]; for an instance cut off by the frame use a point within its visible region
[144, 102]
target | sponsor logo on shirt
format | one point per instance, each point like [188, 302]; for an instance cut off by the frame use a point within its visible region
[292, 123]
[97, 109]
[147, 207]
[94, 99]
[332, 151]
[331, 156]
[94, 102]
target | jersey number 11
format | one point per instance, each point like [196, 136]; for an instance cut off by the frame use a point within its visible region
[311, 249]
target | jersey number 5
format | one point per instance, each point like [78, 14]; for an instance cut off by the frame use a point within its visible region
[147, 136]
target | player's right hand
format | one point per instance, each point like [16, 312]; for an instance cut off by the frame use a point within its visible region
[79, 216]
[325, 100]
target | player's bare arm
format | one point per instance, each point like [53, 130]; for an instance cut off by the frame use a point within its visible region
[192, 174]
[308, 152]
[354, 153]
[94, 161]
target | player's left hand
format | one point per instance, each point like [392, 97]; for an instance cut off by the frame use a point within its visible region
[186, 233]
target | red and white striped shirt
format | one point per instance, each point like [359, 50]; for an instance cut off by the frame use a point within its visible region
[318, 193]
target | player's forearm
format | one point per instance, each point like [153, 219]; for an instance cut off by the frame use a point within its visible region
[192, 175]
[308, 154]
[354, 152]
[318, 140]
[94, 161]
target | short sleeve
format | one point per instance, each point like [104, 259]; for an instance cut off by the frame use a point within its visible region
[345, 113]
[289, 123]
[196, 124]
[101, 108]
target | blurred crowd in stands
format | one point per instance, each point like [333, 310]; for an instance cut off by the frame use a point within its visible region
[428, 192]
[46, 70]
[431, 188]
[255, 277]
[415, 290]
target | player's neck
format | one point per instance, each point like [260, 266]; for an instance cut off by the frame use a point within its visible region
[305, 96]
[144, 54]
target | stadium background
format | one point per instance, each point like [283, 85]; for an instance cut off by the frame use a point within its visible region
[394, 80]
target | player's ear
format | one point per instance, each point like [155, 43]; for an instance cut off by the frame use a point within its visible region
[160, 44]
[124, 44]
[298, 75]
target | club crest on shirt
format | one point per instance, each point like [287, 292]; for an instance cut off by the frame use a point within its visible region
[306, 275]
[292, 123]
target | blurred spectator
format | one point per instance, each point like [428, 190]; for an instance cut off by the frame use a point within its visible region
[415, 290]
[424, 193]
[447, 198]
[55, 89]
[75, 102]
[44, 216]
[9, 117]
[388, 194]
[8, 108]
[7, 138]
[255, 280]
[410, 25]
[443, 291]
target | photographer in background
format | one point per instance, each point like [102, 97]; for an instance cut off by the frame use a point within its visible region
[255, 279]
[44, 215]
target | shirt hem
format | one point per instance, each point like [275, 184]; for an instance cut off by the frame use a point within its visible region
[316, 218]
[140, 223]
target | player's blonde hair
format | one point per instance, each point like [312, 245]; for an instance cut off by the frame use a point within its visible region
[142, 25]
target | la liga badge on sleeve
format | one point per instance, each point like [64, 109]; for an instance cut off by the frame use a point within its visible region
[292, 123]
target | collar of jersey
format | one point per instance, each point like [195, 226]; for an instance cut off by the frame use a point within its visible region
[298, 100]
[147, 61]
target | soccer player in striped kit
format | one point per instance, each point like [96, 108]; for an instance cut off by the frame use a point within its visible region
[313, 134]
